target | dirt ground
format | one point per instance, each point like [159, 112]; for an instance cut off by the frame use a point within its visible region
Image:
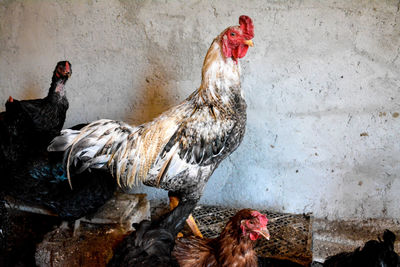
[25, 231]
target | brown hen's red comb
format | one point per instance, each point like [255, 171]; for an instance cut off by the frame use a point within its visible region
[246, 25]
[261, 217]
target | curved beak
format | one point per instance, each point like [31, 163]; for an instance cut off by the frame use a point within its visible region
[249, 43]
[264, 232]
[67, 72]
[67, 69]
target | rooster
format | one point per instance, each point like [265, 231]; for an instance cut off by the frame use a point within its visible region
[373, 254]
[179, 150]
[234, 246]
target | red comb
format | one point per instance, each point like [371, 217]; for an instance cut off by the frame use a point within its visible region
[246, 24]
[67, 68]
[261, 217]
[10, 99]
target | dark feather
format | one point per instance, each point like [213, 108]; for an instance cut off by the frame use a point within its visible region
[151, 244]
[146, 247]
[4, 225]
[373, 254]
[272, 262]
[42, 180]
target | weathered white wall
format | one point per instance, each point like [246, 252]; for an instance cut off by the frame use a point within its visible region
[322, 86]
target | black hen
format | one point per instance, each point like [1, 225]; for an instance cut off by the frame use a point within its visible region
[29, 125]
[47, 114]
[25, 129]
[373, 254]
[29, 172]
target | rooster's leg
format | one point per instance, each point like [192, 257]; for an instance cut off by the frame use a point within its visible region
[193, 226]
[173, 203]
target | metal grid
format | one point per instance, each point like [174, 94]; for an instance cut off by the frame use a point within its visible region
[290, 234]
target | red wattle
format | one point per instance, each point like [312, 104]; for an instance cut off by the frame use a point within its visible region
[240, 51]
[253, 236]
[243, 50]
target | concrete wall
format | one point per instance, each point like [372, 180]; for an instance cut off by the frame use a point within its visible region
[322, 86]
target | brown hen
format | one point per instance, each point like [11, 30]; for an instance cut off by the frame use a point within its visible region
[233, 248]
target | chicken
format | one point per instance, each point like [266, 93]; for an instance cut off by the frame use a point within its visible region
[29, 125]
[29, 172]
[234, 246]
[26, 127]
[179, 150]
[152, 246]
[42, 180]
[373, 254]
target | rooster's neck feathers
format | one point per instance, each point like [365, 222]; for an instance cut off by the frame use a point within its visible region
[220, 77]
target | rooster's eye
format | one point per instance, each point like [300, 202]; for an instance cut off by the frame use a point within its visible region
[233, 34]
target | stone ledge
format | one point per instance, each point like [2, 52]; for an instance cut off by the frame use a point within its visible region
[93, 244]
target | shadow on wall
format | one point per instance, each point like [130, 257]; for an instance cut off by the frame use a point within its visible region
[153, 98]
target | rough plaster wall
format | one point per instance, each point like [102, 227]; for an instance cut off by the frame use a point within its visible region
[322, 86]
